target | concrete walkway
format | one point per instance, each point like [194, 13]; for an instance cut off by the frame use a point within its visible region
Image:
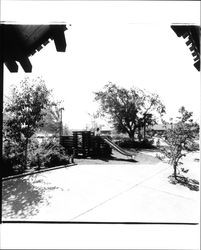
[101, 193]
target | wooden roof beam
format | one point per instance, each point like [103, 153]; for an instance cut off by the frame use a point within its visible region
[26, 64]
[22, 41]
[192, 32]
[12, 66]
[59, 39]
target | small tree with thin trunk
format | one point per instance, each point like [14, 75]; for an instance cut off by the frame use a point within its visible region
[25, 110]
[180, 139]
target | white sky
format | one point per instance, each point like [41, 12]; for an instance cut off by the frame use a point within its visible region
[127, 43]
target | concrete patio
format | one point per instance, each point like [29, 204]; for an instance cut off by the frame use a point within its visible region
[133, 192]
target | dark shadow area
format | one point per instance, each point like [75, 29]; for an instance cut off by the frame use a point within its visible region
[192, 184]
[121, 159]
[108, 159]
[105, 159]
[22, 199]
[139, 157]
[113, 158]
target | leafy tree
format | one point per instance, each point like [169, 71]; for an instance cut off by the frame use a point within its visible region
[25, 110]
[180, 139]
[129, 109]
[52, 119]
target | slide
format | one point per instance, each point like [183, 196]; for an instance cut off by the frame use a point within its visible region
[116, 147]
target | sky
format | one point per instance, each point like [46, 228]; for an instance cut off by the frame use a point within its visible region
[129, 43]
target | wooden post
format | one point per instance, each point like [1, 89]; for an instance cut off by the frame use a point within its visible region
[84, 144]
[75, 142]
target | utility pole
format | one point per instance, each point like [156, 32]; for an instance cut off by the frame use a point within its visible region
[61, 125]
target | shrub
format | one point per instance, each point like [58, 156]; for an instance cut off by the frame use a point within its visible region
[10, 166]
[48, 154]
[127, 143]
[55, 158]
[7, 167]
[13, 158]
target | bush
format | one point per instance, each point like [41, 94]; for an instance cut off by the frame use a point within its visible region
[128, 143]
[7, 167]
[11, 167]
[55, 158]
[12, 159]
[48, 154]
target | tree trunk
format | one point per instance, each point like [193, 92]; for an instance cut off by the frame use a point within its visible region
[175, 170]
[26, 152]
[131, 134]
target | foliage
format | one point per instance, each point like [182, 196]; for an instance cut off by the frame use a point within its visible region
[28, 109]
[48, 154]
[52, 121]
[10, 166]
[13, 151]
[180, 139]
[25, 110]
[129, 109]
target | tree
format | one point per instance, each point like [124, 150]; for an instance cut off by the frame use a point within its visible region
[26, 109]
[129, 109]
[52, 121]
[180, 139]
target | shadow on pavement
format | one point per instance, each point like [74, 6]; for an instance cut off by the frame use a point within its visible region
[21, 199]
[192, 184]
[121, 159]
[107, 159]
[114, 158]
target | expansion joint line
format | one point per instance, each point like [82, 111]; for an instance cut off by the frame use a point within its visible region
[116, 195]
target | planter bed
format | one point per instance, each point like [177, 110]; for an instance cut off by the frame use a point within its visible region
[35, 171]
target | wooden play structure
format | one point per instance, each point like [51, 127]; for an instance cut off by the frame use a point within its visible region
[85, 144]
